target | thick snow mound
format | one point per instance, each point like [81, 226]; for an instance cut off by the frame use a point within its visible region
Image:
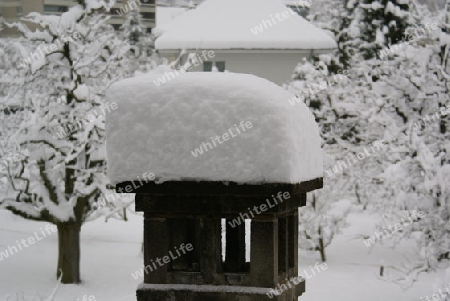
[171, 130]
[242, 24]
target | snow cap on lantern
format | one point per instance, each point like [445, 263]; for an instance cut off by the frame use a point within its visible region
[209, 127]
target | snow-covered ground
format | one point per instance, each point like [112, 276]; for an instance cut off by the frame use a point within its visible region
[111, 252]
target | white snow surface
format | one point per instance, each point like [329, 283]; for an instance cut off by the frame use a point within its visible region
[156, 129]
[111, 252]
[228, 24]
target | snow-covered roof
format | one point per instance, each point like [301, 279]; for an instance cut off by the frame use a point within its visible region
[170, 130]
[166, 14]
[297, 2]
[231, 24]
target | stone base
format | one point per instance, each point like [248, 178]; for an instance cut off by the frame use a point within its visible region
[191, 292]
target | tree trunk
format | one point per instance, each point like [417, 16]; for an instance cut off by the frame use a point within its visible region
[125, 214]
[322, 246]
[69, 252]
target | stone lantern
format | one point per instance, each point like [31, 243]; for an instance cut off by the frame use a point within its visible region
[196, 207]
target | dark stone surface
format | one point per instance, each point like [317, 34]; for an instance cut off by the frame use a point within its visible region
[221, 206]
[191, 212]
[193, 293]
[211, 188]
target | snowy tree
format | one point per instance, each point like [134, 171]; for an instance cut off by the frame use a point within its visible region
[133, 28]
[322, 219]
[340, 18]
[416, 174]
[142, 56]
[383, 23]
[61, 172]
[342, 118]
[384, 99]
[11, 95]
[404, 100]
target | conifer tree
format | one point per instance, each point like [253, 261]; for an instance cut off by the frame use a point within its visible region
[383, 23]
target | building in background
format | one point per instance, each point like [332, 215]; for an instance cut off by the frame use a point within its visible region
[260, 37]
[13, 10]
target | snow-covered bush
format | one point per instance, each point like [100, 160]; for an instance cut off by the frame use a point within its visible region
[416, 173]
[321, 221]
[341, 103]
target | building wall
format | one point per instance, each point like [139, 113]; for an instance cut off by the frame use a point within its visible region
[276, 67]
[12, 10]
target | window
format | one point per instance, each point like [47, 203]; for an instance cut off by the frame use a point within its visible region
[116, 12]
[148, 16]
[116, 26]
[55, 9]
[19, 11]
[208, 66]
[220, 66]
